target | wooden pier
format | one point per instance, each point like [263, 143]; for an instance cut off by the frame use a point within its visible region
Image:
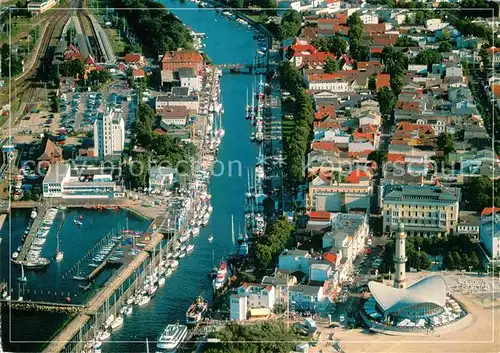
[31, 235]
[44, 306]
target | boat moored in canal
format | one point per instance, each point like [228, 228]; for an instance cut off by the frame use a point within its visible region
[196, 311]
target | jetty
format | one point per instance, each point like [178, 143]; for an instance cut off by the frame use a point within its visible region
[113, 295]
[31, 235]
[43, 306]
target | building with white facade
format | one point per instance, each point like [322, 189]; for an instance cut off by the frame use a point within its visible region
[59, 183]
[306, 297]
[489, 232]
[424, 210]
[332, 85]
[252, 298]
[162, 178]
[189, 79]
[369, 18]
[294, 260]
[109, 135]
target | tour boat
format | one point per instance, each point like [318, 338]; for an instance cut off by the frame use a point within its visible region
[195, 312]
[171, 337]
[210, 238]
[190, 248]
[220, 279]
[117, 322]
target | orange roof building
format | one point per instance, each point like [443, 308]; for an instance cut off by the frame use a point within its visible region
[175, 60]
[383, 80]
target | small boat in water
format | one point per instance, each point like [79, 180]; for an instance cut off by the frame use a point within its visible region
[190, 248]
[104, 336]
[183, 254]
[117, 322]
[129, 310]
[174, 264]
[161, 282]
[195, 312]
[144, 300]
[210, 238]
[77, 222]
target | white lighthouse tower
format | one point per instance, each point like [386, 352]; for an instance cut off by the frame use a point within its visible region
[400, 258]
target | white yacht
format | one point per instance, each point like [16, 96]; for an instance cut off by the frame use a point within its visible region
[171, 337]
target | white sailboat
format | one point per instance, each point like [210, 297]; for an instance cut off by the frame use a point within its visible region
[59, 254]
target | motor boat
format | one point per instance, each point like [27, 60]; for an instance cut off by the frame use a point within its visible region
[190, 248]
[117, 322]
[171, 337]
[195, 312]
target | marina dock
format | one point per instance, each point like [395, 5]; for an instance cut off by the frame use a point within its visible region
[119, 287]
[31, 235]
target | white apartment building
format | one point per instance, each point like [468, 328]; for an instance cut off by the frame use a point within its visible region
[424, 210]
[369, 18]
[253, 298]
[109, 135]
[332, 85]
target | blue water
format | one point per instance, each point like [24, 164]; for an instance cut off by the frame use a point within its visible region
[227, 42]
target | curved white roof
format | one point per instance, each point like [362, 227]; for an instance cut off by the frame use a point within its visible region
[431, 290]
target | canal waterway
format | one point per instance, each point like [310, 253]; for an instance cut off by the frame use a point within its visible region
[226, 42]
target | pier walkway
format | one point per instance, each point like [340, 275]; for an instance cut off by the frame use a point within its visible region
[33, 230]
[44, 306]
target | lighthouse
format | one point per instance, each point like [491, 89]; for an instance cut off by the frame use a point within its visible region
[400, 258]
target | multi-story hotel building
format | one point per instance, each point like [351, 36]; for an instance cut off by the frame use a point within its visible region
[424, 210]
[109, 135]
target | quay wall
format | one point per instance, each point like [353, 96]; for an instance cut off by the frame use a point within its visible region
[76, 333]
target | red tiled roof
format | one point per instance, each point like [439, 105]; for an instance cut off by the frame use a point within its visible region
[383, 80]
[365, 64]
[133, 58]
[355, 176]
[376, 50]
[324, 145]
[182, 56]
[138, 73]
[324, 111]
[297, 48]
[489, 210]
[331, 258]
[395, 157]
[387, 39]
[408, 106]
[323, 215]
[374, 27]
[326, 125]
[319, 57]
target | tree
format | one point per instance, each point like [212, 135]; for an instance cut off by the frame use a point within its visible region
[428, 57]
[237, 4]
[330, 66]
[372, 83]
[289, 26]
[405, 41]
[337, 45]
[355, 35]
[445, 47]
[386, 100]
[485, 55]
[321, 43]
[394, 60]
[448, 262]
[445, 143]
[397, 83]
[73, 68]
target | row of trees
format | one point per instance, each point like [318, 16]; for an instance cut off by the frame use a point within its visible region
[12, 64]
[336, 45]
[159, 30]
[458, 252]
[268, 336]
[276, 239]
[358, 51]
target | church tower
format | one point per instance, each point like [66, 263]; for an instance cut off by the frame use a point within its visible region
[400, 258]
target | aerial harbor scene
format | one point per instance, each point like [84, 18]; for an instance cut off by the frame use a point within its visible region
[249, 176]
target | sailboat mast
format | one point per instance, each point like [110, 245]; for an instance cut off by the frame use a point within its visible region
[232, 229]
